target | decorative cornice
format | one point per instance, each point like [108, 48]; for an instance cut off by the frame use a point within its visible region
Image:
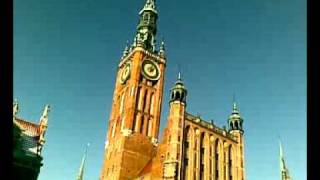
[126, 132]
[211, 127]
[156, 57]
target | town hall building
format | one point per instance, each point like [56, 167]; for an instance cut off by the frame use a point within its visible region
[191, 147]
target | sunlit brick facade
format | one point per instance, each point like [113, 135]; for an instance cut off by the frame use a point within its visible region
[190, 148]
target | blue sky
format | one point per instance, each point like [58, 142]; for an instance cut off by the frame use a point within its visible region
[66, 53]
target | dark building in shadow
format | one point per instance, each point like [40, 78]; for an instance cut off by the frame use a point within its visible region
[28, 141]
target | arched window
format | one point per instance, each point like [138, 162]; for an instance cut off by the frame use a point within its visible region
[146, 17]
[138, 98]
[151, 104]
[216, 147]
[186, 152]
[202, 161]
[144, 100]
[143, 123]
[149, 130]
[122, 101]
[236, 125]
[230, 163]
[177, 95]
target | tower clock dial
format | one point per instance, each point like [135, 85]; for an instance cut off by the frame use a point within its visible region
[125, 74]
[150, 70]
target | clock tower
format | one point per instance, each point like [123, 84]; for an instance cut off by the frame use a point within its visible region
[134, 121]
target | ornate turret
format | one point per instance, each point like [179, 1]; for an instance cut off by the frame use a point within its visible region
[235, 120]
[43, 124]
[179, 91]
[147, 26]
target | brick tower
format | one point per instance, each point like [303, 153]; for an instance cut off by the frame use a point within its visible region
[134, 121]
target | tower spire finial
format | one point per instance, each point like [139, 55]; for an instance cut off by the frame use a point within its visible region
[150, 5]
[15, 107]
[81, 169]
[235, 108]
[162, 48]
[235, 120]
[147, 26]
[178, 91]
[126, 50]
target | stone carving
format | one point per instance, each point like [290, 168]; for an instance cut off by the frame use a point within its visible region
[126, 132]
[169, 170]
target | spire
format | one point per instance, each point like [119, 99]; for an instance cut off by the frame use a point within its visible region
[126, 50]
[81, 169]
[162, 49]
[43, 124]
[179, 83]
[178, 91]
[235, 120]
[44, 116]
[147, 26]
[282, 163]
[149, 6]
[284, 172]
[235, 109]
[15, 107]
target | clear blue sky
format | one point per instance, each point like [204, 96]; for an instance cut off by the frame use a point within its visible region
[66, 53]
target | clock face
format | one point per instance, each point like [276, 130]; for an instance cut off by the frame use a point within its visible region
[150, 70]
[125, 74]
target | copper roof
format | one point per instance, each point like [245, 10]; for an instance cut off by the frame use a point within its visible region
[30, 135]
[28, 128]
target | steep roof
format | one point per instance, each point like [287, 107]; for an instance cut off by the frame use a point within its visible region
[28, 128]
[30, 135]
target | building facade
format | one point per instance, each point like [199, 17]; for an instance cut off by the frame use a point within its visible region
[191, 148]
[28, 141]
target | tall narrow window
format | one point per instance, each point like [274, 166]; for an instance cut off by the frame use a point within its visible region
[217, 159]
[186, 152]
[143, 123]
[202, 156]
[225, 165]
[138, 100]
[144, 102]
[210, 161]
[149, 127]
[230, 163]
[151, 104]
[137, 108]
[122, 102]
